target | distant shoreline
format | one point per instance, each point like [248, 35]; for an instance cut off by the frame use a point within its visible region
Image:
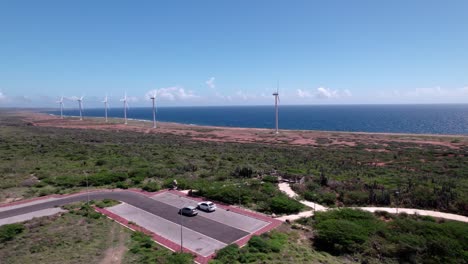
[422, 120]
[372, 142]
[264, 129]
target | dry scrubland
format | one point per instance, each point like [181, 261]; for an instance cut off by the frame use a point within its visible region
[45, 155]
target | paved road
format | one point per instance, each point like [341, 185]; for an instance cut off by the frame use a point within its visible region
[221, 232]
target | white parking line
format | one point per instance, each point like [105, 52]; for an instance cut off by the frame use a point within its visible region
[205, 214]
[210, 243]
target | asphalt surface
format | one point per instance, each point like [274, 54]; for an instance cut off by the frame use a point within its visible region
[219, 231]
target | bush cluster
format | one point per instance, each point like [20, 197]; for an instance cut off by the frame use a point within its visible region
[265, 196]
[146, 251]
[257, 249]
[408, 239]
[8, 232]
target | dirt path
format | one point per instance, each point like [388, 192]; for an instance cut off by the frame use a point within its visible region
[284, 187]
[115, 253]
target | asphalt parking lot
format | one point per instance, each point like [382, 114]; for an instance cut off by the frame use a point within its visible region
[157, 213]
[202, 234]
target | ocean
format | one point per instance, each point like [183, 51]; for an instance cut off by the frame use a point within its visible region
[417, 119]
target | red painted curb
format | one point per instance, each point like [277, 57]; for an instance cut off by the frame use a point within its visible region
[273, 223]
[159, 239]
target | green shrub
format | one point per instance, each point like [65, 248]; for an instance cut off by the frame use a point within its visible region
[106, 203]
[8, 232]
[228, 254]
[353, 198]
[277, 241]
[104, 178]
[326, 198]
[142, 241]
[151, 186]
[122, 185]
[244, 172]
[282, 204]
[362, 218]
[271, 179]
[340, 236]
[87, 211]
[180, 258]
[258, 244]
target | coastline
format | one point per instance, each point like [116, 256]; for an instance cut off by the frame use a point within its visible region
[269, 129]
[315, 138]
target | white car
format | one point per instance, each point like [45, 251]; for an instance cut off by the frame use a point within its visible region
[207, 206]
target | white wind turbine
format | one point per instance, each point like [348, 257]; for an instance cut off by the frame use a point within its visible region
[276, 95]
[124, 100]
[106, 106]
[61, 107]
[80, 104]
[153, 98]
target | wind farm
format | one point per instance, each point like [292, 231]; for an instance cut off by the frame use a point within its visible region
[152, 95]
[222, 132]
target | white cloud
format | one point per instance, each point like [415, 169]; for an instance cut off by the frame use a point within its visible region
[173, 93]
[211, 83]
[323, 93]
[303, 93]
[132, 99]
[244, 96]
[2, 96]
[326, 93]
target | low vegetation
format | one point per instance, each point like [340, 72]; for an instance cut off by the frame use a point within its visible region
[145, 251]
[39, 161]
[387, 238]
[8, 232]
[76, 237]
[80, 236]
[280, 246]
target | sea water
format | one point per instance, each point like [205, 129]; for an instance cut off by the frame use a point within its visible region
[419, 119]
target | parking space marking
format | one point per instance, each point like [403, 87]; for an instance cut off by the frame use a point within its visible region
[239, 221]
[192, 240]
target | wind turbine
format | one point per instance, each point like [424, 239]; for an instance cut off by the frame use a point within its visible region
[124, 100]
[276, 95]
[61, 107]
[153, 98]
[105, 106]
[80, 104]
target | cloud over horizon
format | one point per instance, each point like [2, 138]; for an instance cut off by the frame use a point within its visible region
[173, 93]
[425, 93]
[2, 96]
[323, 93]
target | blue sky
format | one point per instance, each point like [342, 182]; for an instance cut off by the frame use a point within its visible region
[234, 52]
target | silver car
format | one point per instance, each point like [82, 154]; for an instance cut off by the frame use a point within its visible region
[207, 206]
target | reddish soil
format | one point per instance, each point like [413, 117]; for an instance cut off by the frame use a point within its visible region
[252, 135]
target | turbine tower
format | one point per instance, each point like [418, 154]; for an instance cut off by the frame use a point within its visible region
[153, 98]
[105, 106]
[80, 104]
[124, 100]
[276, 95]
[61, 107]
